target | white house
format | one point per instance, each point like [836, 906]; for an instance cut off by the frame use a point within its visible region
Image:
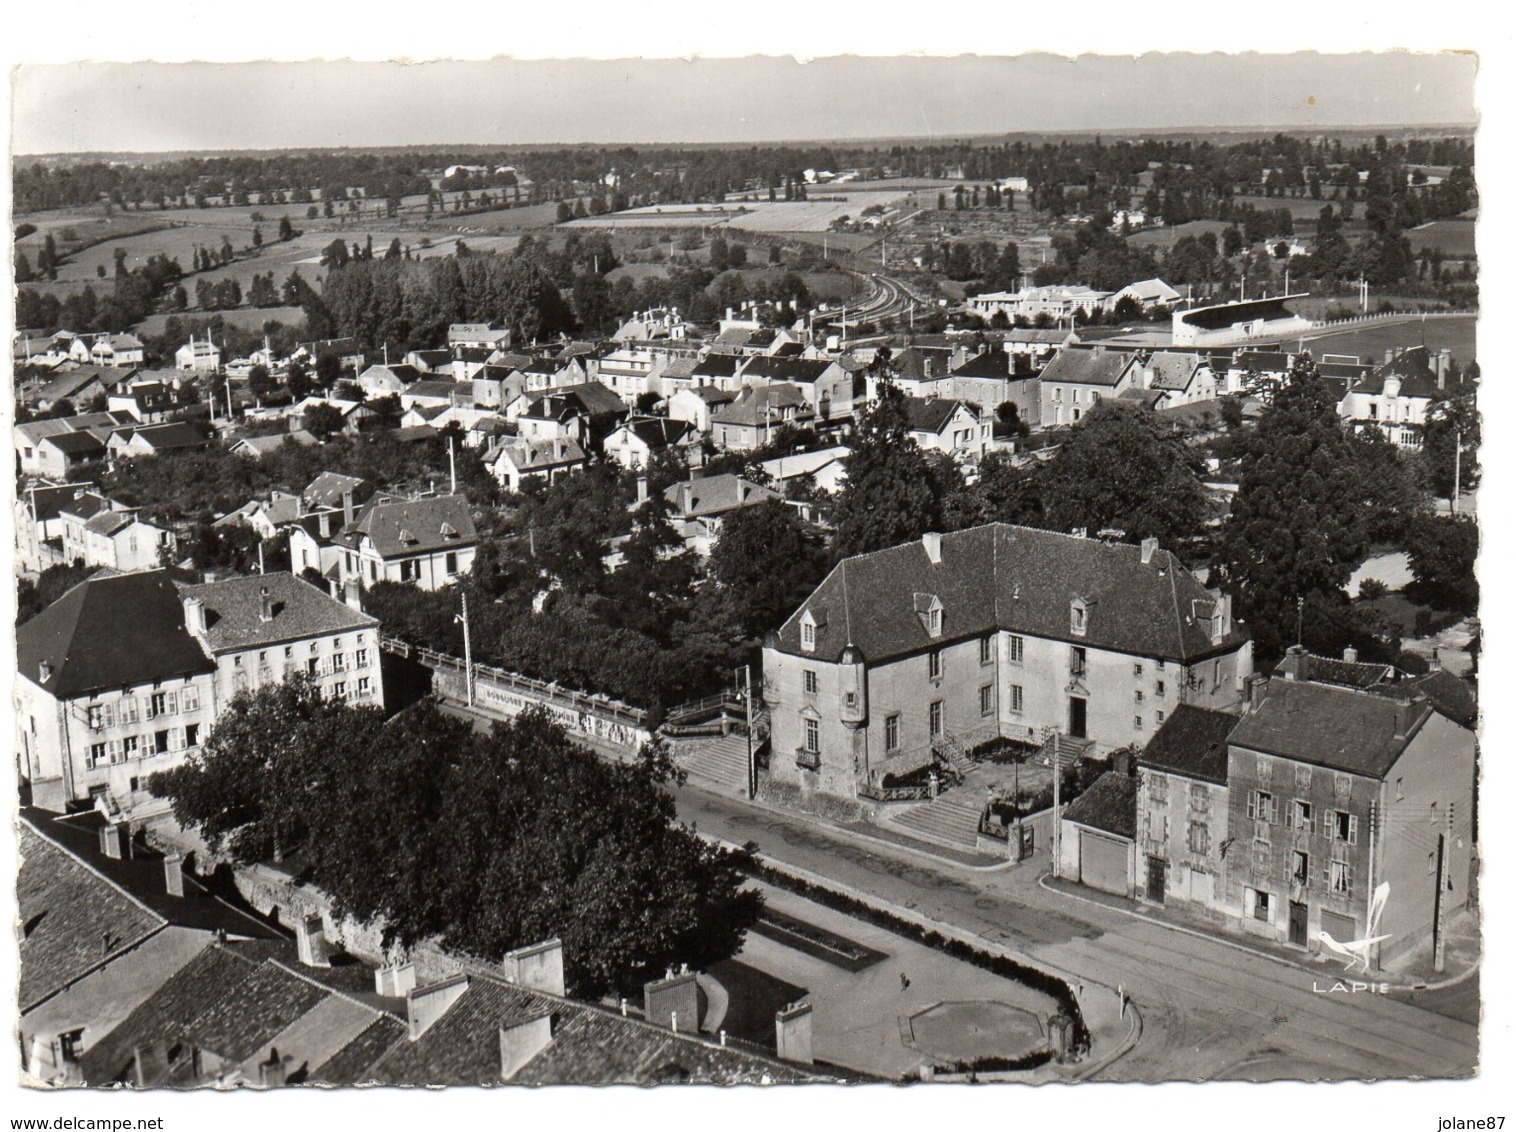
[636, 442]
[429, 542]
[201, 357]
[1396, 397]
[514, 459]
[953, 428]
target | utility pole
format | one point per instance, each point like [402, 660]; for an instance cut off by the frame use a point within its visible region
[468, 652]
[1457, 470]
[260, 556]
[1444, 867]
[747, 703]
[452, 468]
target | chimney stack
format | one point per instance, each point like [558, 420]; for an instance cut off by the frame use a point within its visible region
[1296, 663]
[310, 941]
[792, 1033]
[173, 874]
[1149, 548]
[395, 980]
[522, 1041]
[931, 542]
[352, 595]
[265, 605]
[116, 840]
[538, 967]
[347, 507]
[1350, 654]
[1258, 686]
[324, 524]
[274, 1073]
[424, 1005]
[672, 1002]
[194, 616]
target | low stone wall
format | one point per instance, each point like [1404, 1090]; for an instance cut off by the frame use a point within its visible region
[503, 702]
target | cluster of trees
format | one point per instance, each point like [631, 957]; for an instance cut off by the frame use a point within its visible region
[482, 843]
[996, 269]
[132, 296]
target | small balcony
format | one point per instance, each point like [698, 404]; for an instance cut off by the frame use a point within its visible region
[807, 760]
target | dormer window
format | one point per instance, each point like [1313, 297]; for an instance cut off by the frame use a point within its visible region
[1079, 617]
[929, 609]
[808, 632]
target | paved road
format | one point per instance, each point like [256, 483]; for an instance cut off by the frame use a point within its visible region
[1210, 1011]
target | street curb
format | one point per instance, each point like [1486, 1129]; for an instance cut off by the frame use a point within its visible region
[1403, 988]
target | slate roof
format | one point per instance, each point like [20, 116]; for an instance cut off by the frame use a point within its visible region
[84, 505]
[72, 443]
[1109, 805]
[531, 455]
[168, 437]
[1331, 727]
[434, 359]
[406, 375]
[326, 490]
[756, 402]
[715, 495]
[1449, 694]
[1414, 368]
[596, 399]
[262, 445]
[404, 527]
[659, 432]
[300, 611]
[806, 371]
[991, 363]
[933, 415]
[590, 1046]
[1331, 670]
[166, 1015]
[434, 387]
[109, 522]
[1264, 361]
[1088, 367]
[55, 426]
[248, 1012]
[679, 368]
[350, 1064]
[719, 365]
[1171, 370]
[789, 350]
[51, 500]
[109, 633]
[1192, 743]
[71, 918]
[68, 384]
[1018, 579]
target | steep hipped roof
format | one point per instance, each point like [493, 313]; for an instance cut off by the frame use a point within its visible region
[297, 610]
[169, 437]
[402, 528]
[48, 501]
[73, 443]
[1193, 743]
[659, 432]
[1088, 367]
[715, 495]
[933, 416]
[110, 633]
[1015, 579]
[1109, 805]
[1170, 370]
[533, 455]
[757, 403]
[1414, 369]
[596, 399]
[327, 490]
[1331, 727]
[719, 365]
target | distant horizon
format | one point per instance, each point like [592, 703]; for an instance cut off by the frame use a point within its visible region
[1123, 131]
[167, 108]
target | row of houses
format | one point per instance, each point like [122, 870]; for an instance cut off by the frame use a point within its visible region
[57, 447]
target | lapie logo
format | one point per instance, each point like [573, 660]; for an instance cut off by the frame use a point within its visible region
[1355, 952]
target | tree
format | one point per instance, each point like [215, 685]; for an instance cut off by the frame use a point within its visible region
[286, 229]
[1442, 551]
[519, 836]
[887, 497]
[322, 420]
[250, 789]
[765, 561]
[1298, 526]
[1122, 468]
[1450, 439]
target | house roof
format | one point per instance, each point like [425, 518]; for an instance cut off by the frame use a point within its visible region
[1331, 670]
[803, 463]
[659, 432]
[753, 406]
[434, 387]
[1037, 336]
[406, 375]
[1148, 398]
[719, 365]
[1264, 361]
[34, 431]
[1452, 696]
[1016, 579]
[933, 415]
[83, 505]
[1338, 728]
[596, 399]
[733, 336]
[261, 445]
[68, 384]
[327, 490]
[679, 368]
[715, 495]
[1109, 805]
[71, 918]
[991, 363]
[530, 455]
[804, 371]
[48, 501]
[1192, 743]
[109, 522]
[433, 358]
[110, 632]
[590, 1046]
[72, 443]
[1088, 367]
[233, 611]
[168, 437]
[248, 1012]
[1170, 370]
[404, 527]
[1413, 367]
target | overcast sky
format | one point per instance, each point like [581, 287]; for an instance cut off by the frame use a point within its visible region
[170, 106]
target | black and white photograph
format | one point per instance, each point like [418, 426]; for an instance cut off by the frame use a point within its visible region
[824, 566]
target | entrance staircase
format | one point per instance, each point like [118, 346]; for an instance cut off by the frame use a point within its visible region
[717, 763]
[950, 820]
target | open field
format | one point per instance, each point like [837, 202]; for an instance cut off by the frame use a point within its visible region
[746, 216]
[1301, 208]
[1166, 238]
[176, 243]
[251, 318]
[1454, 238]
[1456, 334]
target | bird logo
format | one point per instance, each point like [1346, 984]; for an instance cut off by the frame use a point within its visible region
[1355, 952]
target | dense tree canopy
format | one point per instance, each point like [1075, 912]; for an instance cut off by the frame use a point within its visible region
[484, 843]
[766, 560]
[888, 496]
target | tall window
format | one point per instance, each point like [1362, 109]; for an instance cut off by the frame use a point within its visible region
[934, 718]
[1016, 646]
[934, 664]
[892, 733]
[986, 650]
[812, 736]
[1340, 878]
[1261, 806]
[1078, 661]
[1344, 827]
[452, 563]
[811, 683]
[1200, 838]
[986, 699]
[1016, 698]
[807, 634]
[1300, 867]
[1302, 817]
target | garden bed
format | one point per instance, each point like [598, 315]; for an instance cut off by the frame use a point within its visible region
[815, 941]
